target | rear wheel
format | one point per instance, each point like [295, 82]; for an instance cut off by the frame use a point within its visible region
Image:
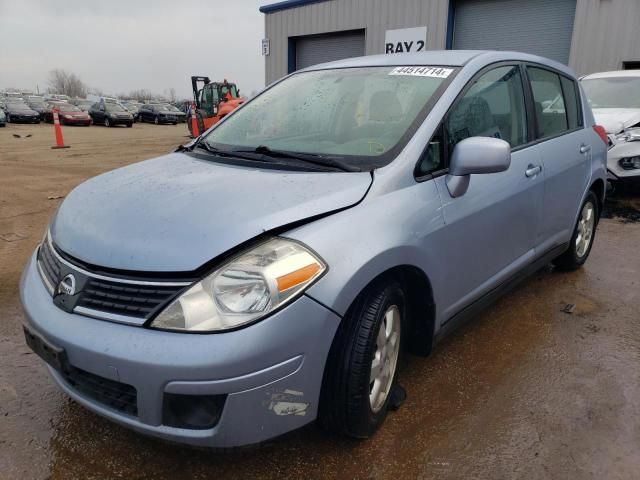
[582, 238]
[361, 371]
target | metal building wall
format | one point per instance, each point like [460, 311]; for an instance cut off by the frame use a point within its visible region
[376, 16]
[605, 33]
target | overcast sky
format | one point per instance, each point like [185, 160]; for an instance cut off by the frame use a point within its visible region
[124, 45]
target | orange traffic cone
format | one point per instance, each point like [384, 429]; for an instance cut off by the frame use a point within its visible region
[58, 130]
[194, 122]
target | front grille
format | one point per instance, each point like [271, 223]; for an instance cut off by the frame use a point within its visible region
[50, 264]
[124, 297]
[116, 395]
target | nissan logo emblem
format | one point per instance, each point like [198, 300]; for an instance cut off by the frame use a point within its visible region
[67, 285]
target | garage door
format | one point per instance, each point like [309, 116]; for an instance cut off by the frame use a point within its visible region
[314, 49]
[541, 27]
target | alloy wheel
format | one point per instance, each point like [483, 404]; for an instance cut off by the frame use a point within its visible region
[585, 229]
[385, 358]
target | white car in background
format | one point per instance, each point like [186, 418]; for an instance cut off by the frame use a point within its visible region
[615, 100]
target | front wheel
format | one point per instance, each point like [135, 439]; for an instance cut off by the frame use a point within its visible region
[582, 238]
[129, 125]
[156, 120]
[361, 371]
[107, 122]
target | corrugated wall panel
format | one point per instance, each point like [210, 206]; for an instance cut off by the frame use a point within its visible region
[541, 27]
[606, 33]
[375, 16]
[315, 49]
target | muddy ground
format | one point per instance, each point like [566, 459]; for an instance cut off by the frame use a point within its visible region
[525, 391]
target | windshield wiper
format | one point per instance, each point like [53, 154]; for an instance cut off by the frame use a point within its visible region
[316, 159]
[248, 155]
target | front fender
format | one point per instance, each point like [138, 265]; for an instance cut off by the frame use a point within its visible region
[380, 233]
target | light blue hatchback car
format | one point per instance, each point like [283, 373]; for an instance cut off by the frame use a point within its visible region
[272, 272]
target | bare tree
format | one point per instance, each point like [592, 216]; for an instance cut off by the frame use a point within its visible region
[63, 82]
[172, 95]
[141, 95]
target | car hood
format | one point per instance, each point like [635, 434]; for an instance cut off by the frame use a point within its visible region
[615, 120]
[176, 212]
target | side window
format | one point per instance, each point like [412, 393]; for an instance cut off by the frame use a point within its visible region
[433, 158]
[572, 102]
[494, 106]
[551, 114]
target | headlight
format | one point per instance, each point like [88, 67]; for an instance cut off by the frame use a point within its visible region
[630, 163]
[244, 289]
[68, 116]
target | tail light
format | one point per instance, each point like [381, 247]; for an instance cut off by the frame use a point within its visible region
[602, 133]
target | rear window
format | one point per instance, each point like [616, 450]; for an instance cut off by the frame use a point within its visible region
[571, 102]
[551, 114]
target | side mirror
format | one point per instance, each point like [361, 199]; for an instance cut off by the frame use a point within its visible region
[476, 155]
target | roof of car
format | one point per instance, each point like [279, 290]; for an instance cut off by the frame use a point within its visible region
[614, 73]
[440, 58]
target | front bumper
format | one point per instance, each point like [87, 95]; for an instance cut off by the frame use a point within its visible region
[25, 119]
[77, 121]
[271, 372]
[167, 119]
[121, 121]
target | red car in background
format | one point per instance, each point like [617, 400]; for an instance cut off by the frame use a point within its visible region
[69, 114]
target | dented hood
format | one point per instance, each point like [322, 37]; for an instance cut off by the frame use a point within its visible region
[615, 120]
[177, 212]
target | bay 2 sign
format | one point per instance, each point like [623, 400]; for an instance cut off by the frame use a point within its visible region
[405, 40]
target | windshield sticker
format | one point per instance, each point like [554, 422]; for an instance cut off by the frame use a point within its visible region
[433, 72]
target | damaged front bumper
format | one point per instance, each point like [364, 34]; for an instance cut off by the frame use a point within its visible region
[264, 379]
[623, 156]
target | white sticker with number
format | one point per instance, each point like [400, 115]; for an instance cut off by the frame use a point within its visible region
[433, 72]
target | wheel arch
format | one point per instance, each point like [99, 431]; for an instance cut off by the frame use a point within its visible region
[420, 305]
[598, 187]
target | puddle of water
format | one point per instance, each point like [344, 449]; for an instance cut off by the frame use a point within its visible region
[623, 205]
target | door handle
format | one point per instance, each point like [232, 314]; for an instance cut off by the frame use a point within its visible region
[585, 148]
[533, 170]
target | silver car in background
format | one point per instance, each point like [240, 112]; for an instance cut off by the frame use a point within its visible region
[615, 100]
[271, 272]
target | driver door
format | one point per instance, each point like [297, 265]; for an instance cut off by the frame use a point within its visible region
[490, 230]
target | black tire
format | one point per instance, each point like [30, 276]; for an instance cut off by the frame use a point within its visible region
[571, 259]
[107, 122]
[156, 120]
[345, 407]
[129, 125]
[8, 118]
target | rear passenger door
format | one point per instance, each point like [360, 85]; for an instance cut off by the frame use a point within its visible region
[565, 151]
[490, 230]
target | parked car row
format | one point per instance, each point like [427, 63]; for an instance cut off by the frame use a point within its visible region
[81, 111]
